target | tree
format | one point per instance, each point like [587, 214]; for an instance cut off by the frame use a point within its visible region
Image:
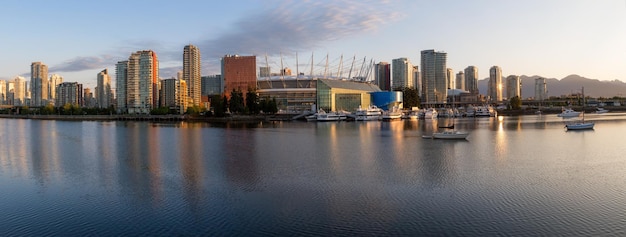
[410, 98]
[252, 101]
[236, 104]
[67, 108]
[217, 102]
[48, 109]
[516, 103]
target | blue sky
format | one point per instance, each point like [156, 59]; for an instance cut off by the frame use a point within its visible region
[554, 38]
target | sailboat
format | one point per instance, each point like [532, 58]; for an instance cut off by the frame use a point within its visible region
[582, 125]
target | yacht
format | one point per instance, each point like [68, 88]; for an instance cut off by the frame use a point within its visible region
[392, 114]
[331, 116]
[601, 110]
[568, 113]
[429, 113]
[370, 114]
[485, 111]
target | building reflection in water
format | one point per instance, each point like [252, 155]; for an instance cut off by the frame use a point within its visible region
[189, 146]
[239, 156]
[139, 165]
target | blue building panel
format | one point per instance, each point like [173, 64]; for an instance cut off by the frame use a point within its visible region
[386, 99]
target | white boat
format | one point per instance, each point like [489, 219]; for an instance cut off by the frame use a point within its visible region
[331, 116]
[412, 115]
[452, 135]
[372, 113]
[429, 113]
[392, 114]
[581, 125]
[601, 110]
[485, 111]
[568, 113]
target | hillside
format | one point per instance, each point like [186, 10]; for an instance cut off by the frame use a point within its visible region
[566, 85]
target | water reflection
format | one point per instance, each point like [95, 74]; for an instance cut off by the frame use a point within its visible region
[296, 178]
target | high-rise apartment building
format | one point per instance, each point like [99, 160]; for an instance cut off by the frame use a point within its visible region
[460, 81]
[55, 80]
[495, 84]
[174, 94]
[513, 87]
[192, 73]
[39, 84]
[471, 80]
[417, 79]
[3, 92]
[19, 91]
[104, 94]
[142, 78]
[382, 76]
[69, 93]
[239, 73]
[402, 71]
[541, 89]
[434, 79]
[121, 75]
[450, 77]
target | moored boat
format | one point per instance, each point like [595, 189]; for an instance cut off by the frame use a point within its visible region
[372, 113]
[451, 135]
[568, 113]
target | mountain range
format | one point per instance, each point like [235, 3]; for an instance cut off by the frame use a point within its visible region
[565, 86]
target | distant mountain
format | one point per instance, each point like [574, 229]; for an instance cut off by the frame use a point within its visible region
[567, 85]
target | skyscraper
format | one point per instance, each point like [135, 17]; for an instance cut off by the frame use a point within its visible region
[142, 77]
[434, 79]
[495, 84]
[450, 77]
[541, 89]
[55, 80]
[121, 76]
[460, 81]
[402, 71]
[174, 94]
[103, 89]
[192, 73]
[69, 93]
[471, 80]
[39, 84]
[513, 86]
[19, 91]
[239, 73]
[382, 76]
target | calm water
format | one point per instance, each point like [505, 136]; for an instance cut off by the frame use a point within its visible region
[514, 176]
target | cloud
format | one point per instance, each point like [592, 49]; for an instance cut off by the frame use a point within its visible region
[298, 25]
[84, 63]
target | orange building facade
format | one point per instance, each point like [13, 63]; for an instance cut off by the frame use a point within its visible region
[239, 73]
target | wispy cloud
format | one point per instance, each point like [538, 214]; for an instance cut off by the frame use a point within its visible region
[299, 25]
[290, 26]
[84, 63]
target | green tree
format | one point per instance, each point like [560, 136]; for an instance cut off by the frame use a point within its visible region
[160, 111]
[410, 97]
[252, 101]
[67, 108]
[516, 103]
[236, 104]
[48, 109]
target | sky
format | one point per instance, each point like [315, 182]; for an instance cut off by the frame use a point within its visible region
[553, 38]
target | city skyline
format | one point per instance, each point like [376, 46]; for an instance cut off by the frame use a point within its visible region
[552, 39]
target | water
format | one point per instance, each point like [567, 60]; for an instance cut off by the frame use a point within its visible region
[513, 176]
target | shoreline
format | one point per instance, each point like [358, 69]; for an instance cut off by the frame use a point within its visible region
[253, 118]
